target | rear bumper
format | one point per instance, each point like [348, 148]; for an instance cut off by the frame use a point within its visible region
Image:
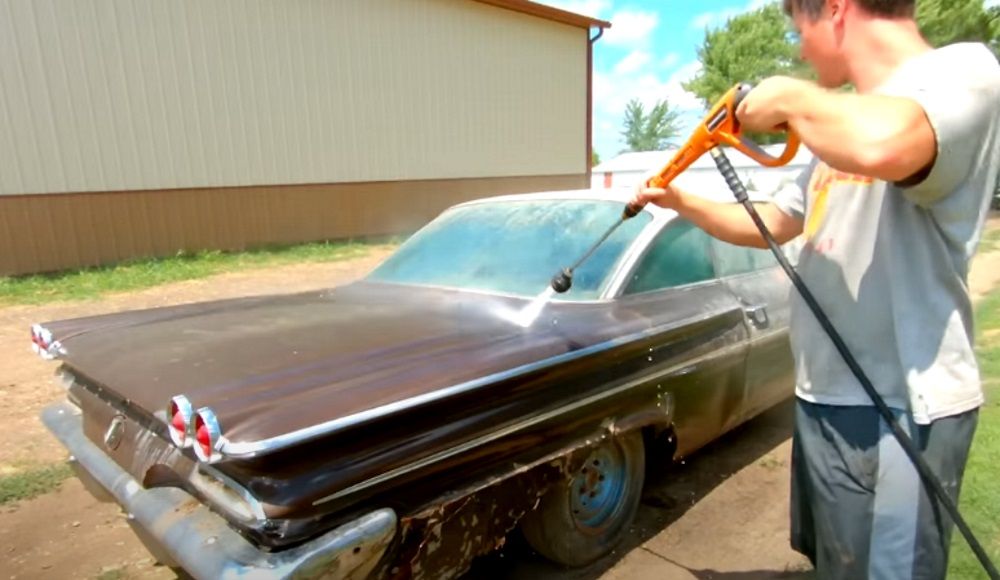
[180, 531]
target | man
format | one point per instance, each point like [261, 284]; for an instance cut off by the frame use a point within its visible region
[891, 213]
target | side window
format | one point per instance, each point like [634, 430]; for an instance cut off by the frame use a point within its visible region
[679, 255]
[731, 259]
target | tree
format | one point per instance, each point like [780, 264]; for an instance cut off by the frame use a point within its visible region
[649, 132]
[748, 48]
[994, 15]
[946, 21]
[762, 43]
[595, 159]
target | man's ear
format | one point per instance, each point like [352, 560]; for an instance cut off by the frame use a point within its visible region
[836, 9]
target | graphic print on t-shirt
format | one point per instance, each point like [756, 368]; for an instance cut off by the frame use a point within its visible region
[823, 179]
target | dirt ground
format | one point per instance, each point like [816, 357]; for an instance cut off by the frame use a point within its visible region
[721, 514]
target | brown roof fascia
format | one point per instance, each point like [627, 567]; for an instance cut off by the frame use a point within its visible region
[548, 12]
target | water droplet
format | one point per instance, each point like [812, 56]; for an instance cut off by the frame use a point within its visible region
[649, 358]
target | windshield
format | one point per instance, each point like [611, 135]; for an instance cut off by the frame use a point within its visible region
[515, 247]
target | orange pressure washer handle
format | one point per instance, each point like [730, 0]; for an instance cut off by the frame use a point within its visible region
[721, 127]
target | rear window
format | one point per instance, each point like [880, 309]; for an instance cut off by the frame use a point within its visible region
[515, 247]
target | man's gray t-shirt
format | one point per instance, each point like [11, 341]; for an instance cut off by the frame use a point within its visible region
[889, 263]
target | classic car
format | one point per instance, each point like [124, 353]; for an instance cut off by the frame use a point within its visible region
[403, 424]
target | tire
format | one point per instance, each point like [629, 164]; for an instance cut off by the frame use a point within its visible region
[584, 518]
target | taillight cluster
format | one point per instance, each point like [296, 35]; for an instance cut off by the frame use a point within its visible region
[198, 429]
[42, 342]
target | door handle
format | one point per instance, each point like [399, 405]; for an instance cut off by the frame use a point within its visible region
[757, 313]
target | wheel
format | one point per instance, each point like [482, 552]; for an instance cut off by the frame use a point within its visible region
[583, 519]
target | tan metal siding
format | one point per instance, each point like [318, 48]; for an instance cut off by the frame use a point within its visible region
[106, 95]
[40, 233]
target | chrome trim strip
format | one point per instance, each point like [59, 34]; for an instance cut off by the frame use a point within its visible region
[764, 336]
[187, 534]
[492, 436]
[245, 449]
[204, 471]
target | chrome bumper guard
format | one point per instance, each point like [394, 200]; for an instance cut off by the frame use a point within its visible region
[182, 532]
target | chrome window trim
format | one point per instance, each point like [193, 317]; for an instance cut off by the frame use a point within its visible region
[632, 256]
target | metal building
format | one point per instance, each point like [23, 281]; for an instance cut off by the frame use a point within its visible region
[703, 177]
[144, 127]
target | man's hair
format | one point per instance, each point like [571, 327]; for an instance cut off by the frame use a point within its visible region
[884, 8]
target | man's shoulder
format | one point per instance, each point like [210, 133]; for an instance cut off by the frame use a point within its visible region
[970, 59]
[954, 67]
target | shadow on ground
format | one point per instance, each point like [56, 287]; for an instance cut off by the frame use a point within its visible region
[670, 492]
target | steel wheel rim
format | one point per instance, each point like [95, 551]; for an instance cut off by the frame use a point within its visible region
[598, 489]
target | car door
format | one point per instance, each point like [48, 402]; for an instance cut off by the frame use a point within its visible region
[674, 282]
[762, 288]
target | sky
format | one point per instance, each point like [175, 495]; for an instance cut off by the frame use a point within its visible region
[651, 47]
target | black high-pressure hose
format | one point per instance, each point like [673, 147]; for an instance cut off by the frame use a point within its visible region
[928, 477]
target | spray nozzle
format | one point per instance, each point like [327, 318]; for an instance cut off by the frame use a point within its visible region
[562, 281]
[632, 209]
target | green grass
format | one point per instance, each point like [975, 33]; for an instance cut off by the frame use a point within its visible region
[140, 274]
[33, 482]
[990, 241]
[112, 574]
[980, 500]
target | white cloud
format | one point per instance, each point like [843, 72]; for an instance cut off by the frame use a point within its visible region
[991, 3]
[630, 28]
[593, 8]
[715, 19]
[676, 94]
[633, 62]
[670, 60]
[613, 90]
[719, 17]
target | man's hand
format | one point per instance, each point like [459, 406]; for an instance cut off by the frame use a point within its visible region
[666, 198]
[765, 108]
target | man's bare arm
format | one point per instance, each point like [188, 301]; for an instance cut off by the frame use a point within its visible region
[728, 222]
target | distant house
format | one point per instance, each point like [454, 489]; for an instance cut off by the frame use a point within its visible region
[626, 170]
[144, 128]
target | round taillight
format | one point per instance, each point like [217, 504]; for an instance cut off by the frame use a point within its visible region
[207, 434]
[179, 416]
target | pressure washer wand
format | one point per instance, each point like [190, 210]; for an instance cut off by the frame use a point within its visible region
[720, 127]
[736, 186]
[562, 281]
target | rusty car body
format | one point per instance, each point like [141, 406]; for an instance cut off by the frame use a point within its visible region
[401, 425]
